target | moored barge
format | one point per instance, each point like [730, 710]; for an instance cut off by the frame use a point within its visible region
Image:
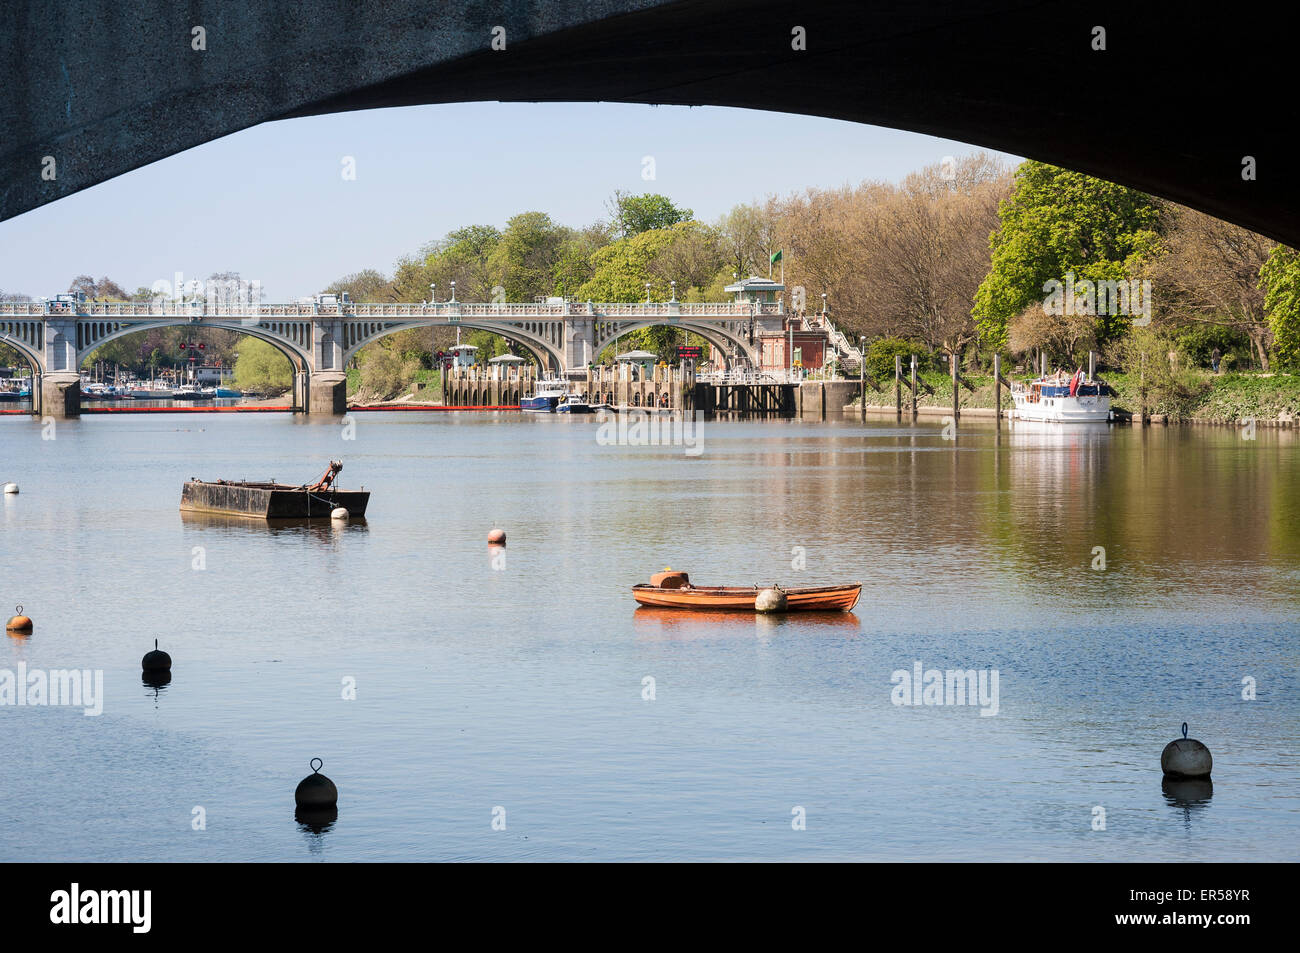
[274, 501]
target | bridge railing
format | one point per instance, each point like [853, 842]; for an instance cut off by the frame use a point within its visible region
[447, 310]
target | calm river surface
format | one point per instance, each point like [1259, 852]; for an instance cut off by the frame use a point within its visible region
[521, 688]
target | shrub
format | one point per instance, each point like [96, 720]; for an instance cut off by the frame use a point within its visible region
[880, 357]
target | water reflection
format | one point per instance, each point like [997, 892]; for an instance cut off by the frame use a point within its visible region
[315, 823]
[324, 530]
[156, 681]
[652, 622]
[1188, 795]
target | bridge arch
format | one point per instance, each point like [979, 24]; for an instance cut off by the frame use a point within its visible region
[93, 341]
[542, 350]
[25, 350]
[716, 334]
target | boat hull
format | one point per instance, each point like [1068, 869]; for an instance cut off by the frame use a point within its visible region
[269, 501]
[741, 598]
[539, 405]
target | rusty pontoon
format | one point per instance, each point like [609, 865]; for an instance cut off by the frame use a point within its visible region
[274, 501]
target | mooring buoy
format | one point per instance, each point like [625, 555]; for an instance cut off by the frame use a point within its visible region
[11, 489]
[770, 600]
[157, 660]
[1186, 758]
[316, 790]
[18, 622]
[496, 537]
[340, 514]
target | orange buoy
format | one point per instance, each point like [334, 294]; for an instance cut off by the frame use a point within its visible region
[497, 537]
[19, 622]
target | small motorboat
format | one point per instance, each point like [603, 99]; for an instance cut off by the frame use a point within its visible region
[673, 590]
[545, 397]
[573, 404]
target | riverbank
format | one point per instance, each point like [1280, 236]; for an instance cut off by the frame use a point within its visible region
[1209, 399]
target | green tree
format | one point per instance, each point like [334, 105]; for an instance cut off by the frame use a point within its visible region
[634, 214]
[261, 367]
[1055, 223]
[527, 253]
[1280, 278]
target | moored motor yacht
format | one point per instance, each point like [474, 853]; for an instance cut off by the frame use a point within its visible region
[1058, 398]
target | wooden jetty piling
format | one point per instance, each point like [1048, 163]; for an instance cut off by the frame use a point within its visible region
[898, 386]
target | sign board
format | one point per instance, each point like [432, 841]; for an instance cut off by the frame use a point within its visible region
[693, 350]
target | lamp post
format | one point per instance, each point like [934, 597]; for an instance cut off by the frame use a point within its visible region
[674, 287]
[453, 292]
[647, 292]
[433, 292]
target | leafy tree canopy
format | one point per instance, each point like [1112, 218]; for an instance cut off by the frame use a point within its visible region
[1054, 223]
[634, 214]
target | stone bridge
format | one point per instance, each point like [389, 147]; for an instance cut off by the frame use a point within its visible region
[320, 338]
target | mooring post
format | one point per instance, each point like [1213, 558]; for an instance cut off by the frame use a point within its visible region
[997, 389]
[898, 386]
[914, 387]
[862, 381]
[956, 402]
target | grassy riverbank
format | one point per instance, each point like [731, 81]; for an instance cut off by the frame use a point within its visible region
[425, 384]
[1220, 398]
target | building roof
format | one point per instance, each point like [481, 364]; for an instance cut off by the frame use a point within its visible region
[755, 283]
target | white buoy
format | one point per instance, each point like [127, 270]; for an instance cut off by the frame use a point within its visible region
[11, 489]
[340, 514]
[1186, 758]
[770, 600]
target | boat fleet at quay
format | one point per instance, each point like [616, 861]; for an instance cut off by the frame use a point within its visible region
[20, 390]
[155, 390]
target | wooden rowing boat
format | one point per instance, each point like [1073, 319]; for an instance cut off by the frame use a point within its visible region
[741, 598]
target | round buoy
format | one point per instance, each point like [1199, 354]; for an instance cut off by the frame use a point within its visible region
[770, 600]
[340, 514]
[11, 489]
[157, 660]
[497, 537]
[18, 622]
[316, 790]
[1186, 758]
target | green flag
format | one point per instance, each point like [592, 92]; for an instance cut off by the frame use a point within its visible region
[776, 256]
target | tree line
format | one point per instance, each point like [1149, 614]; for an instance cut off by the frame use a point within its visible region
[953, 262]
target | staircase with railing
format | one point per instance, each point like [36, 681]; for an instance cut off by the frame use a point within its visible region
[846, 353]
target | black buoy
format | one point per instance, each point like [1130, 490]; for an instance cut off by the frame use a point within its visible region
[157, 660]
[316, 791]
[1186, 758]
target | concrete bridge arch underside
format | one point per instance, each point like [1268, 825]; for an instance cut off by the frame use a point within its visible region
[1156, 95]
[729, 342]
[543, 345]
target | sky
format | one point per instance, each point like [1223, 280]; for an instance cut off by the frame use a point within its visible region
[272, 202]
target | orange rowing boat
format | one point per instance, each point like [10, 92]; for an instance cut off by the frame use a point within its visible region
[741, 598]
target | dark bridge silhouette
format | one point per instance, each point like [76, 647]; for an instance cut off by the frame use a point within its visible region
[1174, 105]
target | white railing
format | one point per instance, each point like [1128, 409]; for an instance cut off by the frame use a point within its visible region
[448, 310]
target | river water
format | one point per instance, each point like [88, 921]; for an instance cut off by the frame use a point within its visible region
[532, 692]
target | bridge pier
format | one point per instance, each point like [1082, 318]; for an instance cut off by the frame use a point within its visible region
[60, 395]
[327, 393]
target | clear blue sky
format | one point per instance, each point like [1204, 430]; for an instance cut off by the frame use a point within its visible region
[271, 203]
